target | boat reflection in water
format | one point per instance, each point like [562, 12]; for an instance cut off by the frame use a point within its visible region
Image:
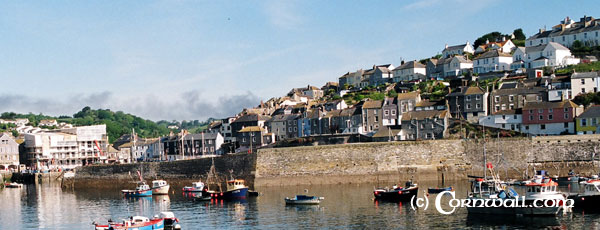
[498, 221]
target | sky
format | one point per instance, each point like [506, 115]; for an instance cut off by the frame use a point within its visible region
[191, 60]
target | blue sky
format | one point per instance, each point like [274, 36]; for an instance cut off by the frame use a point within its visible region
[198, 59]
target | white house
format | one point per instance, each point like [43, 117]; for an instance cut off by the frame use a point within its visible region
[504, 119]
[409, 71]
[586, 30]
[450, 51]
[505, 46]
[551, 54]
[585, 82]
[457, 66]
[492, 61]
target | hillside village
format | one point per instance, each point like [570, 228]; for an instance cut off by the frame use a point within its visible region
[517, 90]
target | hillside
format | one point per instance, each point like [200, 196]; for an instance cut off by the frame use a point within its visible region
[117, 123]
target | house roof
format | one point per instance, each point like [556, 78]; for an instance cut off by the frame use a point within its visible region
[456, 47]
[462, 59]
[199, 136]
[492, 53]
[372, 104]
[251, 117]
[428, 103]
[584, 75]
[471, 90]
[508, 85]
[547, 105]
[591, 112]
[410, 65]
[421, 115]
[519, 91]
[509, 112]
[283, 117]
[409, 95]
[386, 132]
[251, 129]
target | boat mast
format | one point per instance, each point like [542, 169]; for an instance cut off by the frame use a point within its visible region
[484, 156]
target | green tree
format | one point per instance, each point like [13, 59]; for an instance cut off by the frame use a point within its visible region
[519, 35]
[493, 36]
[15, 133]
[392, 93]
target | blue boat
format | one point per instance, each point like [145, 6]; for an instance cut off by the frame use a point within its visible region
[303, 199]
[235, 190]
[140, 191]
[438, 190]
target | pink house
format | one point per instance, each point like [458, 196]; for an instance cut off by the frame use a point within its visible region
[550, 118]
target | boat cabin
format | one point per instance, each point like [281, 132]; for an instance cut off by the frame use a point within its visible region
[159, 183]
[541, 185]
[592, 187]
[143, 186]
[484, 188]
[198, 185]
[235, 184]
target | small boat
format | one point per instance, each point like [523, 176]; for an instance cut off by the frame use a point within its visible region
[196, 187]
[253, 193]
[235, 190]
[166, 220]
[397, 193]
[13, 185]
[438, 190]
[570, 178]
[160, 187]
[590, 198]
[141, 190]
[303, 199]
[542, 189]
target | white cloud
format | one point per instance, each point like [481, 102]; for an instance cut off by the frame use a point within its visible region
[283, 14]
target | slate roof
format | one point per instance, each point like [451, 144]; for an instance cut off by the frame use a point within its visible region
[584, 75]
[421, 115]
[471, 90]
[251, 129]
[410, 65]
[492, 53]
[386, 132]
[591, 112]
[519, 91]
[198, 136]
[407, 96]
[372, 104]
[547, 105]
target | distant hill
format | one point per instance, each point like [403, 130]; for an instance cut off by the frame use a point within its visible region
[117, 123]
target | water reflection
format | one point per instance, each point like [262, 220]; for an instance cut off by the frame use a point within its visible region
[345, 206]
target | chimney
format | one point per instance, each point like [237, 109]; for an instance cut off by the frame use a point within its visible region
[487, 41]
[542, 30]
[503, 38]
[446, 46]
[402, 62]
[467, 43]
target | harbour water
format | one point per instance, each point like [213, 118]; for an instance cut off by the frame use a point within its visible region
[349, 206]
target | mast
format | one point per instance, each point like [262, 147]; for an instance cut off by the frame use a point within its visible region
[203, 143]
[484, 156]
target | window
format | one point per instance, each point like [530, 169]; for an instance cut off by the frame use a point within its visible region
[468, 98]
[531, 118]
[566, 125]
[539, 98]
[503, 117]
[511, 106]
[550, 117]
[583, 90]
[477, 97]
[584, 35]
[527, 127]
[468, 106]
[541, 117]
[566, 116]
[563, 38]
[594, 122]
[583, 122]
[376, 119]
[540, 110]
[583, 81]
[550, 110]
[497, 99]
[497, 108]
[574, 36]
[393, 112]
[515, 116]
[477, 106]
[542, 126]
[531, 111]
[386, 112]
[566, 110]
[511, 98]
[503, 126]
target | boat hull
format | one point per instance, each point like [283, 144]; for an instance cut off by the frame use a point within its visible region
[438, 190]
[588, 203]
[137, 193]
[396, 195]
[151, 225]
[233, 194]
[302, 202]
[162, 190]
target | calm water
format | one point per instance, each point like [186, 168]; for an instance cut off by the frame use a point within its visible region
[46, 206]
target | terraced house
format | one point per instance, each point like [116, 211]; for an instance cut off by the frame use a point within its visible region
[550, 118]
[468, 103]
[9, 152]
[587, 122]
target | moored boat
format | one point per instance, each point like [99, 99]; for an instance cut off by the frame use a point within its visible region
[438, 190]
[235, 190]
[197, 186]
[543, 191]
[13, 185]
[166, 221]
[303, 200]
[160, 187]
[590, 198]
[397, 193]
[142, 189]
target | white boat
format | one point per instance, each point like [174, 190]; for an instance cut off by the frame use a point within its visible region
[197, 186]
[542, 188]
[160, 187]
[13, 185]
[304, 199]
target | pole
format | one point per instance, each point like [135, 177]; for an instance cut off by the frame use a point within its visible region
[484, 156]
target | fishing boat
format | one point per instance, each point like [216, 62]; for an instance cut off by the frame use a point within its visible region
[160, 187]
[397, 193]
[13, 185]
[142, 189]
[486, 189]
[235, 190]
[590, 198]
[197, 186]
[166, 221]
[542, 189]
[438, 190]
[570, 178]
[303, 200]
